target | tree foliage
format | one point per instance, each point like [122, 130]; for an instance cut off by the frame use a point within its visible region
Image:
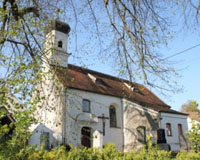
[193, 133]
[194, 137]
[190, 106]
[127, 33]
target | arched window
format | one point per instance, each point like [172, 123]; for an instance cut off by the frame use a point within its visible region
[60, 44]
[113, 117]
[141, 134]
[86, 137]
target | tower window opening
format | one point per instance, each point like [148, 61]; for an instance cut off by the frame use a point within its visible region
[60, 44]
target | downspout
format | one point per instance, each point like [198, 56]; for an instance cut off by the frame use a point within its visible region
[122, 112]
[159, 120]
[64, 116]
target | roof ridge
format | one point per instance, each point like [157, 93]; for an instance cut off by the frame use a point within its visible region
[103, 74]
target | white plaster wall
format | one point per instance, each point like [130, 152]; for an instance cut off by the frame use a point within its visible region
[52, 39]
[174, 120]
[51, 107]
[190, 122]
[99, 105]
[38, 129]
[135, 116]
[49, 111]
[54, 54]
[35, 138]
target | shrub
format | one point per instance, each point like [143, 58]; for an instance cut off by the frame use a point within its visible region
[184, 155]
[107, 153]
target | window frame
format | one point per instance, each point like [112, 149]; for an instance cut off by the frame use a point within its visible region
[113, 124]
[180, 129]
[99, 81]
[45, 138]
[83, 108]
[168, 129]
[143, 128]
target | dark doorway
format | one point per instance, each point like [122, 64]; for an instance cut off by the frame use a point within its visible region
[161, 136]
[86, 137]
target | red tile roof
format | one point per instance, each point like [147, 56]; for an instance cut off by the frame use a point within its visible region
[77, 78]
[194, 115]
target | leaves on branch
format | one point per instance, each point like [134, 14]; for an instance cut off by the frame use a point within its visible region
[19, 13]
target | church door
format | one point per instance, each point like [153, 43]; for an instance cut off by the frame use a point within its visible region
[86, 137]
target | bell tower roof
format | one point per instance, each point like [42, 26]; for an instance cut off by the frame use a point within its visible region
[58, 26]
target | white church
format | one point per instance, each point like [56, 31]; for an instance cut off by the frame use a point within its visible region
[87, 108]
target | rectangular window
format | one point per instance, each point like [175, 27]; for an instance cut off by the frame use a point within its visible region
[141, 134]
[86, 105]
[168, 129]
[44, 138]
[180, 130]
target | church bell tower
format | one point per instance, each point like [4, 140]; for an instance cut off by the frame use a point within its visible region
[56, 43]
